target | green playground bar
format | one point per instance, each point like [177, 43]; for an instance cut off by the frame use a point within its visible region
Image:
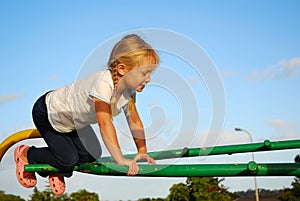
[106, 165]
[187, 170]
[267, 145]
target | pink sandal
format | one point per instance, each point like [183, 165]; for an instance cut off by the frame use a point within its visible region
[57, 184]
[26, 179]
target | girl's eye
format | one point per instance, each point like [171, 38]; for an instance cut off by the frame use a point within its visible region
[144, 72]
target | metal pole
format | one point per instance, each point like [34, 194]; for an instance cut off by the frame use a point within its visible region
[183, 170]
[255, 182]
[267, 145]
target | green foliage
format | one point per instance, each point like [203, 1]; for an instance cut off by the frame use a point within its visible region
[84, 195]
[9, 197]
[296, 187]
[179, 192]
[207, 188]
[287, 195]
[250, 193]
[47, 195]
[291, 194]
[200, 188]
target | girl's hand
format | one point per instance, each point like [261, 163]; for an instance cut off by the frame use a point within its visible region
[144, 157]
[133, 168]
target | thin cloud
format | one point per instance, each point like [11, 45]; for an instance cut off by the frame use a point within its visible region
[284, 130]
[282, 70]
[228, 74]
[290, 67]
[208, 137]
[6, 98]
[194, 80]
[53, 77]
[279, 124]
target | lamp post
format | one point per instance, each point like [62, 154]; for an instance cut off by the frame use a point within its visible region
[255, 182]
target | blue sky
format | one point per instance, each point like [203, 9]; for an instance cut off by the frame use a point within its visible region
[254, 46]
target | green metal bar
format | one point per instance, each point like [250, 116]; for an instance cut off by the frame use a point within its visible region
[203, 170]
[267, 145]
[158, 155]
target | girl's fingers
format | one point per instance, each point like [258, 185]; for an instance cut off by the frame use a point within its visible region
[152, 161]
[145, 157]
[133, 169]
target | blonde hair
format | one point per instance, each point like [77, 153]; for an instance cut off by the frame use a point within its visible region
[131, 51]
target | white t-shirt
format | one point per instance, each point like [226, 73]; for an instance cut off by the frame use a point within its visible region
[72, 107]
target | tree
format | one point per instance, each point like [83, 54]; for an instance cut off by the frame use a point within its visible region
[179, 192]
[9, 197]
[292, 194]
[207, 188]
[47, 195]
[84, 195]
[200, 188]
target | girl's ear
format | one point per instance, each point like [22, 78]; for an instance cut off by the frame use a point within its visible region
[121, 68]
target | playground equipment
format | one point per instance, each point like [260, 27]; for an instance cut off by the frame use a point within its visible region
[106, 165]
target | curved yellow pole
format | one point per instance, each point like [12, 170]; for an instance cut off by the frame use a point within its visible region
[17, 137]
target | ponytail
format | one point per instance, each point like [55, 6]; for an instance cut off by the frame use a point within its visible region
[131, 51]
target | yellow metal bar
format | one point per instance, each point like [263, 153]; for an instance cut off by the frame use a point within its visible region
[17, 137]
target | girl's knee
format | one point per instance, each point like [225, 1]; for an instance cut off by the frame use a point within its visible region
[89, 157]
[68, 161]
[95, 154]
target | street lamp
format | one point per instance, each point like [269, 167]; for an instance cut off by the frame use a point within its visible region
[255, 183]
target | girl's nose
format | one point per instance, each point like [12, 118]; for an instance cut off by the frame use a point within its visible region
[148, 79]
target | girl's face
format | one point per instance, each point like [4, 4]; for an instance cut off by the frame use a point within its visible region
[138, 77]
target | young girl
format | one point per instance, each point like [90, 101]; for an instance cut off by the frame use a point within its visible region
[63, 116]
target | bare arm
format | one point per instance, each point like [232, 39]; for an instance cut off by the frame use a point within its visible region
[137, 129]
[109, 136]
[138, 133]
